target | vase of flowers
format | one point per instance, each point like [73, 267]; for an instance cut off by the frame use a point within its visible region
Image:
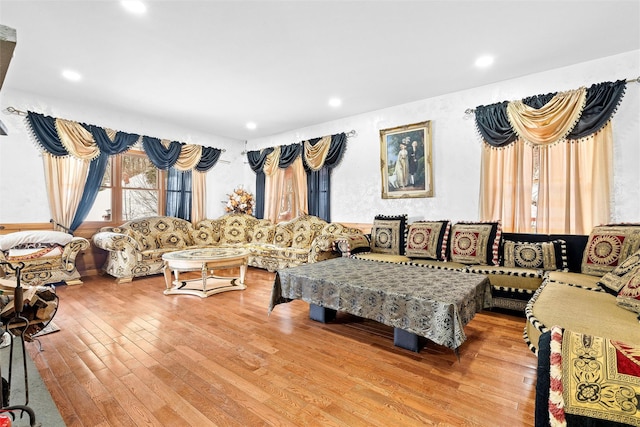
[240, 201]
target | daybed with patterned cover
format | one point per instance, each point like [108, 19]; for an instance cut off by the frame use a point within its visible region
[136, 247]
[514, 262]
[601, 300]
[49, 256]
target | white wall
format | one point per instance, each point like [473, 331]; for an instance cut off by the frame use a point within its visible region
[356, 182]
[23, 198]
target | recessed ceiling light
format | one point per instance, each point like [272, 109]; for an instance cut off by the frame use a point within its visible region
[484, 61]
[335, 102]
[71, 75]
[251, 125]
[134, 6]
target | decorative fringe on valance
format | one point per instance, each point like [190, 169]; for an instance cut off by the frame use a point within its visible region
[61, 138]
[316, 154]
[550, 118]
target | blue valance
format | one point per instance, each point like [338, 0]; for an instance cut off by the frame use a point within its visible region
[162, 157]
[44, 132]
[602, 100]
[90, 141]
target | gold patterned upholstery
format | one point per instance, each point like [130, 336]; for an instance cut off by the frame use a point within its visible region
[136, 247]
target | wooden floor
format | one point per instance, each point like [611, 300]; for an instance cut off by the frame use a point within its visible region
[127, 355]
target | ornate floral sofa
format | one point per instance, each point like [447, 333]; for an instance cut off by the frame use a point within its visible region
[136, 247]
[49, 256]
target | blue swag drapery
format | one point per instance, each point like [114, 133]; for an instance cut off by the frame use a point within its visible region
[43, 129]
[318, 182]
[601, 103]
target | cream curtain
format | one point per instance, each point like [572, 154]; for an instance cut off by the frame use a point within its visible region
[506, 180]
[552, 122]
[65, 178]
[315, 155]
[77, 140]
[198, 196]
[285, 192]
[575, 184]
[189, 157]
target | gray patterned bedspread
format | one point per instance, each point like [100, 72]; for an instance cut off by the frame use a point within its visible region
[435, 304]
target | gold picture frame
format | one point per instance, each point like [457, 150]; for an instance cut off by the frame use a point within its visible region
[405, 161]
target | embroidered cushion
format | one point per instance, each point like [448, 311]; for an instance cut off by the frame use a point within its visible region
[608, 246]
[264, 232]
[475, 242]
[629, 295]
[547, 256]
[170, 240]
[305, 229]
[283, 237]
[388, 234]
[234, 230]
[612, 282]
[205, 236]
[428, 239]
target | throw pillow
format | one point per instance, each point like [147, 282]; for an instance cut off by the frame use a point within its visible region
[629, 296]
[170, 240]
[428, 239]
[8, 241]
[475, 242]
[205, 236]
[264, 232]
[547, 256]
[283, 237]
[388, 234]
[612, 281]
[608, 246]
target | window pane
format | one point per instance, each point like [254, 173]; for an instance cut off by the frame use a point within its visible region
[139, 203]
[101, 210]
[138, 172]
[106, 179]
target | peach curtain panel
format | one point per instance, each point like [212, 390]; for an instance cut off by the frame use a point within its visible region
[65, 178]
[198, 196]
[575, 184]
[573, 177]
[285, 191]
[506, 180]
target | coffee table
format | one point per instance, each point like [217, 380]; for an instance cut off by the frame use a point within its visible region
[205, 260]
[416, 301]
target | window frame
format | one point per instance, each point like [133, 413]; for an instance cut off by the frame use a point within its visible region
[117, 190]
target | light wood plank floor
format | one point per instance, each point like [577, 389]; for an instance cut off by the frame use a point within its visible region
[127, 355]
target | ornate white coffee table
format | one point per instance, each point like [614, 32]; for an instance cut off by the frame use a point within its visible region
[206, 260]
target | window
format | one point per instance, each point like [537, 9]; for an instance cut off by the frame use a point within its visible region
[132, 187]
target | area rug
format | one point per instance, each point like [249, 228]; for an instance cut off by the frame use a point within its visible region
[40, 401]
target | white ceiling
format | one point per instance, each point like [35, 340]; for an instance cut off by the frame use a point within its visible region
[214, 65]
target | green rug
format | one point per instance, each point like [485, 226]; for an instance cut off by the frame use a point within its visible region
[40, 401]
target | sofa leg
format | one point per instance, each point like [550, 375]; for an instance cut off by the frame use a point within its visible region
[73, 282]
[121, 280]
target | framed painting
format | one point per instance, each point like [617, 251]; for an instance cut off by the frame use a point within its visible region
[405, 160]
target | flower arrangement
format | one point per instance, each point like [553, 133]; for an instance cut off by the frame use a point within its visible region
[240, 201]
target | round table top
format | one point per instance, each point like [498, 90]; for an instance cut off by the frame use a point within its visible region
[205, 254]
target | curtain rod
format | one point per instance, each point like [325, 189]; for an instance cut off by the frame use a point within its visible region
[470, 111]
[12, 110]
